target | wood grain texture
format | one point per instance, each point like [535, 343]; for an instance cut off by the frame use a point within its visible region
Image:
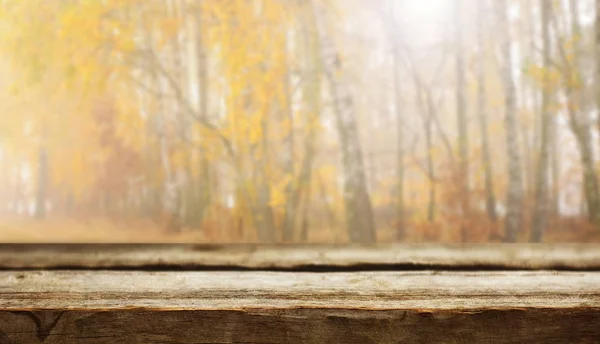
[371, 290]
[321, 326]
[285, 307]
[295, 257]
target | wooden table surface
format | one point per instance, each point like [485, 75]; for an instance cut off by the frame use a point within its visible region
[180, 294]
[302, 257]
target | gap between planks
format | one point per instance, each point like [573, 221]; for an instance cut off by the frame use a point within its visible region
[315, 258]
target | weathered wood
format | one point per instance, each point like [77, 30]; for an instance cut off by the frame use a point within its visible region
[299, 326]
[370, 290]
[379, 257]
[281, 307]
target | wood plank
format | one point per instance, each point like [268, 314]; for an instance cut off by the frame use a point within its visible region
[299, 326]
[373, 290]
[298, 257]
[285, 307]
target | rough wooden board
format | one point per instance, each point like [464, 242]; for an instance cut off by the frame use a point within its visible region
[323, 326]
[93, 290]
[574, 256]
[93, 307]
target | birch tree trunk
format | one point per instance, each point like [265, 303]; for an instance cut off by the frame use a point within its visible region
[42, 184]
[401, 229]
[264, 217]
[180, 72]
[540, 212]
[578, 119]
[428, 123]
[591, 187]
[204, 175]
[427, 111]
[312, 98]
[530, 97]
[359, 211]
[536, 106]
[461, 113]
[490, 198]
[171, 107]
[556, 166]
[391, 30]
[514, 199]
[290, 205]
[597, 41]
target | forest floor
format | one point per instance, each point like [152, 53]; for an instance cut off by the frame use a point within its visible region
[89, 231]
[22, 230]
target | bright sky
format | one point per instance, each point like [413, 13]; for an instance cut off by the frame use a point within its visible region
[423, 19]
[425, 10]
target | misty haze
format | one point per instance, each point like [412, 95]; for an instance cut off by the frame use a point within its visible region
[330, 121]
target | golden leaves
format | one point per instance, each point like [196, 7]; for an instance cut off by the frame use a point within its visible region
[113, 49]
[169, 28]
[548, 78]
[278, 197]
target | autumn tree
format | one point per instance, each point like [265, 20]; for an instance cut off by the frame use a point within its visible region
[287, 121]
[572, 82]
[461, 115]
[482, 29]
[541, 181]
[514, 199]
[359, 213]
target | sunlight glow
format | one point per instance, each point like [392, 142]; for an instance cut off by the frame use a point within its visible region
[424, 11]
[423, 20]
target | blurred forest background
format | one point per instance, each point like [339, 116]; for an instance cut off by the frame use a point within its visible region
[300, 120]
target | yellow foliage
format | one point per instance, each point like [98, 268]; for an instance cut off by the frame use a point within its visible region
[122, 49]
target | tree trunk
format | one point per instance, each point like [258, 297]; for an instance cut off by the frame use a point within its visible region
[401, 213]
[528, 99]
[536, 106]
[490, 198]
[514, 200]
[591, 186]
[42, 184]
[170, 107]
[204, 175]
[264, 217]
[597, 38]
[182, 72]
[305, 219]
[427, 109]
[461, 114]
[359, 211]
[590, 180]
[584, 144]
[578, 119]
[430, 167]
[555, 154]
[540, 213]
[290, 208]
[312, 97]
